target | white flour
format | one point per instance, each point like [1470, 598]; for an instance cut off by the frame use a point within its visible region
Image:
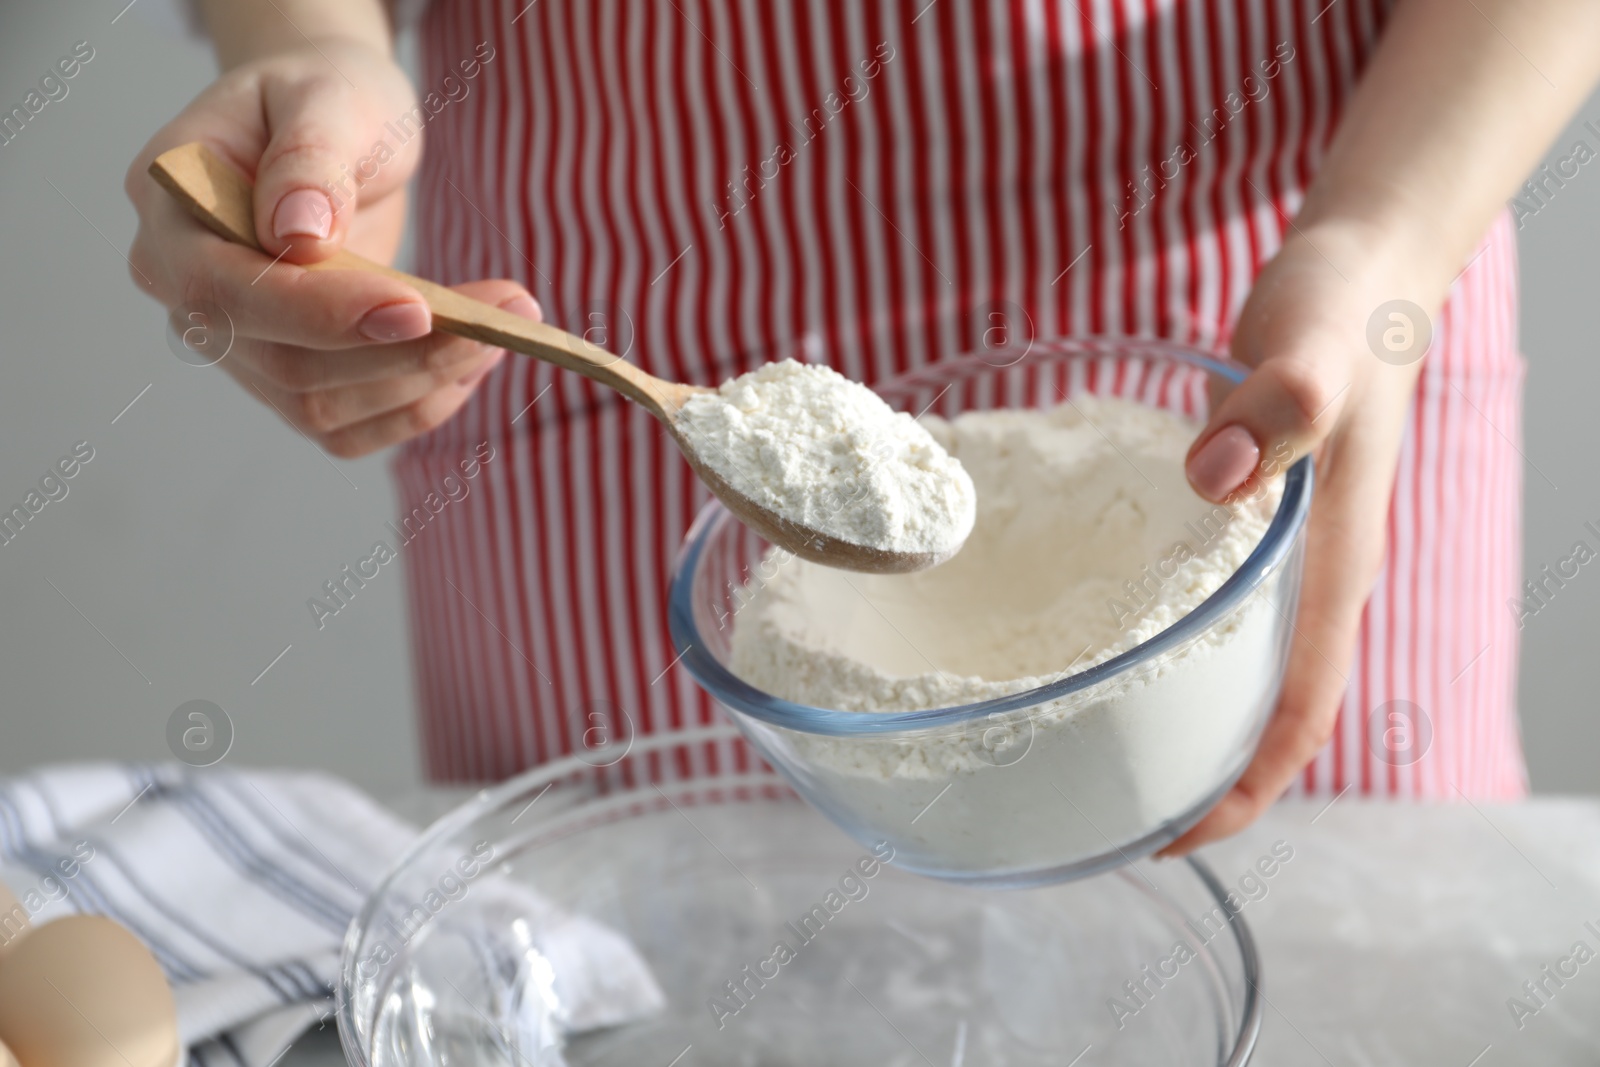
[814, 447]
[1088, 541]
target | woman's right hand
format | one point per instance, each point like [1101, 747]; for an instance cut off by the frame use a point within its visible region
[347, 357]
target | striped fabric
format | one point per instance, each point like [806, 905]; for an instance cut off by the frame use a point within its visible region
[711, 184]
[240, 884]
[243, 885]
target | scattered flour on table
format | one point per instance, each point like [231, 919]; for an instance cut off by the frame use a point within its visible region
[1088, 541]
[820, 450]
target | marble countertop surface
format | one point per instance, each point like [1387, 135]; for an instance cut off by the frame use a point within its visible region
[1397, 934]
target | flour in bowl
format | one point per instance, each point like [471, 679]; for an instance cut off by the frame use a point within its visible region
[822, 451]
[1088, 541]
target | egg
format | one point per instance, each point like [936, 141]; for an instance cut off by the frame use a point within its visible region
[13, 924]
[84, 992]
[6, 1058]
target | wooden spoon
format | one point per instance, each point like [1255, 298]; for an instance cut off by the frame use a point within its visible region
[222, 199]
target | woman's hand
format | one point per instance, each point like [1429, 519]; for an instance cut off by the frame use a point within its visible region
[1447, 120]
[1319, 389]
[346, 357]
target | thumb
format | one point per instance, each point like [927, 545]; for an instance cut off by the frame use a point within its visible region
[1282, 410]
[307, 180]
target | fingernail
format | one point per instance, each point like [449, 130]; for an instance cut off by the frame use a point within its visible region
[524, 305]
[1223, 463]
[397, 322]
[303, 213]
[482, 372]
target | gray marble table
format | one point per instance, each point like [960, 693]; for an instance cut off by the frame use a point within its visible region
[1399, 935]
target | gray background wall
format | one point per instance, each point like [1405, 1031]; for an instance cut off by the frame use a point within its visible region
[178, 565]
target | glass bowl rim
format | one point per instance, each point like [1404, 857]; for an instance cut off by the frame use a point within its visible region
[494, 798]
[734, 692]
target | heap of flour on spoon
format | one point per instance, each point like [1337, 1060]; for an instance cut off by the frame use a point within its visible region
[824, 452]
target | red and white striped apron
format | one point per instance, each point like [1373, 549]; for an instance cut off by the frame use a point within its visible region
[938, 158]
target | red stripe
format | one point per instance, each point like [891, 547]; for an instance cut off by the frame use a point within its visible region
[1218, 149]
[1418, 661]
[1250, 191]
[886, 191]
[1097, 259]
[756, 152]
[1126, 321]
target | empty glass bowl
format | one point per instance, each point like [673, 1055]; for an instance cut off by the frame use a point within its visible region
[1087, 772]
[563, 918]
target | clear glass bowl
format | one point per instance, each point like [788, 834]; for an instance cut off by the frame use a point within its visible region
[465, 954]
[1085, 773]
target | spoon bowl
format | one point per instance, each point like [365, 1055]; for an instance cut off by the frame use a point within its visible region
[808, 544]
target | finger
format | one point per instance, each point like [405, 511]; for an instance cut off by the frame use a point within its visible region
[445, 357]
[322, 411]
[185, 262]
[352, 420]
[391, 428]
[308, 179]
[1283, 410]
[1344, 552]
[280, 302]
[439, 357]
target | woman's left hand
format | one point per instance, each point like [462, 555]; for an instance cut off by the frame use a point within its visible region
[1316, 388]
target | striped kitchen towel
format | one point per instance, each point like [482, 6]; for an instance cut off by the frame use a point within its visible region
[240, 883]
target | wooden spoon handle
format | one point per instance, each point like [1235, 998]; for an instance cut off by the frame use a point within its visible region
[221, 197]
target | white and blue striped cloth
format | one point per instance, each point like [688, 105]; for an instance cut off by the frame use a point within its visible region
[240, 882]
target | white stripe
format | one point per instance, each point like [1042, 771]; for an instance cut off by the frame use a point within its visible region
[529, 691]
[1205, 166]
[1008, 91]
[1428, 540]
[550, 543]
[518, 680]
[1140, 275]
[829, 144]
[443, 627]
[465, 641]
[970, 207]
[469, 531]
[939, 246]
[796, 188]
[595, 32]
[516, 478]
[747, 287]
[705, 273]
[766, 215]
[875, 320]
[1045, 146]
[1452, 562]
[1173, 239]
